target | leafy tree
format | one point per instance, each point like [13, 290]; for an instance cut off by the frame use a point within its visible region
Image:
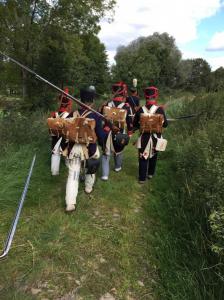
[39, 31]
[151, 59]
[217, 80]
[200, 75]
[97, 71]
[184, 73]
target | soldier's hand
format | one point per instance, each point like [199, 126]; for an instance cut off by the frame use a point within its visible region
[130, 133]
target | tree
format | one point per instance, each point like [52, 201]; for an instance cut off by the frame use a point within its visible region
[33, 30]
[153, 59]
[200, 75]
[96, 68]
[184, 73]
[217, 78]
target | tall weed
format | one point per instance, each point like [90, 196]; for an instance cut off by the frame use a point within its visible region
[191, 206]
[17, 129]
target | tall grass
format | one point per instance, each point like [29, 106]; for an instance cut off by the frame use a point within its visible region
[124, 233]
[99, 249]
[17, 129]
[189, 203]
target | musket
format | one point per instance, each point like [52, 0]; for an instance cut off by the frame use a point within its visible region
[17, 214]
[70, 96]
[182, 117]
[54, 86]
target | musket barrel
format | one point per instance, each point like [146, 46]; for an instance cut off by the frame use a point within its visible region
[54, 86]
[17, 214]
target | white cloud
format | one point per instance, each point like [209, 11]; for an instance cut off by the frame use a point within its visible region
[214, 62]
[217, 42]
[190, 55]
[110, 55]
[143, 17]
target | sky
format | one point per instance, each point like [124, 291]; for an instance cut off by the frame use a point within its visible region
[196, 25]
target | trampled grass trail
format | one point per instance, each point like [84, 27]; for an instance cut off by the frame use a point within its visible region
[104, 247]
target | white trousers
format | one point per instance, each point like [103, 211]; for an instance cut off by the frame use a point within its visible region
[72, 186]
[74, 166]
[56, 158]
[55, 164]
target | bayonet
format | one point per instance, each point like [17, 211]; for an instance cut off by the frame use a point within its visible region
[12, 230]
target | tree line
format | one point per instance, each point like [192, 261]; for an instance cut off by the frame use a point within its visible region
[156, 59]
[58, 40]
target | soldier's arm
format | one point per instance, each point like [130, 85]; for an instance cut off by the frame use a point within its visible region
[136, 122]
[160, 110]
[129, 120]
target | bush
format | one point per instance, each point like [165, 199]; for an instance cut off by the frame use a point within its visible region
[191, 207]
[18, 129]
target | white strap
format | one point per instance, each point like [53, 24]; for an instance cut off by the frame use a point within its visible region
[132, 101]
[151, 111]
[64, 115]
[86, 113]
[56, 148]
[121, 105]
[76, 114]
[145, 110]
[111, 104]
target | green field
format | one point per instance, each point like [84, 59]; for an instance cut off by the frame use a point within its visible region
[162, 240]
[101, 248]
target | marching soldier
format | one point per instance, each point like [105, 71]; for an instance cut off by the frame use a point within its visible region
[119, 114]
[83, 151]
[150, 119]
[133, 100]
[58, 142]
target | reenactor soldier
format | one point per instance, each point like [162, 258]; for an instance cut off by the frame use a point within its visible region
[149, 119]
[58, 142]
[118, 113]
[133, 101]
[82, 131]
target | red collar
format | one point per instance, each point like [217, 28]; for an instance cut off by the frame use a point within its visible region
[119, 99]
[62, 109]
[151, 102]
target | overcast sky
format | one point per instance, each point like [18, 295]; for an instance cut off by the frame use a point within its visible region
[196, 25]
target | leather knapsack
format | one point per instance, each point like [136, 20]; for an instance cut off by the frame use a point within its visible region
[117, 115]
[80, 130]
[150, 122]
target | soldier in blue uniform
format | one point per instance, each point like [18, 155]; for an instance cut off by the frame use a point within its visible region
[147, 141]
[133, 100]
[86, 155]
[116, 138]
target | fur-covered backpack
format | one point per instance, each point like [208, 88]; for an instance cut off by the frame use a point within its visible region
[150, 122]
[78, 129]
[117, 115]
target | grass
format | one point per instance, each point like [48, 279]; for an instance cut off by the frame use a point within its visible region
[101, 248]
[134, 242]
[188, 189]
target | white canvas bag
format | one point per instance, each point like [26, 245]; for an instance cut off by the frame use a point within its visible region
[161, 144]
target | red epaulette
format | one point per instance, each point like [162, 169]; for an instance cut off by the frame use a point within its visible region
[53, 115]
